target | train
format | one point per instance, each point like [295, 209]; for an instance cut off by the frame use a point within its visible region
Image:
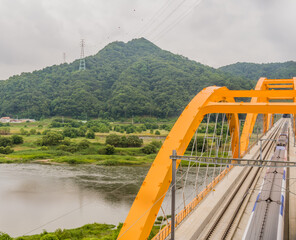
[283, 137]
[267, 217]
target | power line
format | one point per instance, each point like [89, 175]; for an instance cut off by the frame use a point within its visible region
[176, 22]
[169, 15]
[153, 19]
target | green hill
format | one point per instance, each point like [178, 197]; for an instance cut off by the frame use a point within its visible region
[122, 80]
[255, 71]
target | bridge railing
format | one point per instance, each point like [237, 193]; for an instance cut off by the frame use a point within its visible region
[165, 232]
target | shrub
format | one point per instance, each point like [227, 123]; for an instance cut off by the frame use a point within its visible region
[113, 139]
[157, 132]
[16, 139]
[44, 132]
[66, 142]
[73, 147]
[130, 141]
[6, 150]
[150, 148]
[82, 131]
[157, 144]
[134, 141]
[90, 134]
[199, 143]
[51, 139]
[49, 237]
[4, 236]
[70, 132]
[99, 126]
[84, 144]
[109, 149]
[5, 141]
[33, 131]
[130, 129]
[4, 131]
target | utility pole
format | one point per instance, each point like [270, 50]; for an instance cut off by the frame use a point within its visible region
[82, 59]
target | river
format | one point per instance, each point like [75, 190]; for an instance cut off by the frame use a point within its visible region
[34, 197]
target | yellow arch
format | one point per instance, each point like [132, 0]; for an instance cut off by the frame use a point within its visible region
[264, 84]
[213, 99]
[145, 208]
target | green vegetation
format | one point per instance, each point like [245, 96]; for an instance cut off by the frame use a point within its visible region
[40, 142]
[121, 81]
[93, 231]
[254, 71]
[53, 141]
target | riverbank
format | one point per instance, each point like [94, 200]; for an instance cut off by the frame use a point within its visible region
[93, 231]
[56, 157]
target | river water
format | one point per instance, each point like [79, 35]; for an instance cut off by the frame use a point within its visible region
[34, 197]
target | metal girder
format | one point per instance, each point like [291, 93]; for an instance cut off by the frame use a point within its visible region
[279, 86]
[235, 161]
[294, 100]
[251, 119]
[281, 94]
[264, 108]
[278, 81]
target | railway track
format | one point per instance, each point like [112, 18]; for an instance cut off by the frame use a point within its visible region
[227, 217]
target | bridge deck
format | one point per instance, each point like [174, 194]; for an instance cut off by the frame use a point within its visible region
[192, 227]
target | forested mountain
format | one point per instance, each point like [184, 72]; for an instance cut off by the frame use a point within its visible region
[122, 80]
[255, 71]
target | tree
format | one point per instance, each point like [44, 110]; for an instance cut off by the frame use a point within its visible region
[4, 236]
[113, 139]
[4, 131]
[109, 149]
[16, 139]
[33, 131]
[51, 139]
[90, 134]
[149, 149]
[5, 141]
[134, 141]
[6, 150]
[49, 236]
[84, 144]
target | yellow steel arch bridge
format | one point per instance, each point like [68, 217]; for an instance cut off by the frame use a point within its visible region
[145, 208]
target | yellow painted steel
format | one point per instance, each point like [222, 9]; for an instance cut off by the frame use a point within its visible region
[213, 99]
[264, 84]
[279, 86]
[265, 108]
[145, 208]
[294, 100]
[251, 119]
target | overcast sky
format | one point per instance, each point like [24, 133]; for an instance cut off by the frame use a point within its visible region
[35, 33]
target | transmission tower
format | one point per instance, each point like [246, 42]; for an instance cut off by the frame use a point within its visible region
[82, 60]
[64, 57]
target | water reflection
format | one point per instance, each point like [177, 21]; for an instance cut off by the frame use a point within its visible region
[34, 197]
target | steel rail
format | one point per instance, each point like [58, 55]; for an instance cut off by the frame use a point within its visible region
[256, 172]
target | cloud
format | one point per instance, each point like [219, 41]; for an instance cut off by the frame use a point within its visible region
[35, 33]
